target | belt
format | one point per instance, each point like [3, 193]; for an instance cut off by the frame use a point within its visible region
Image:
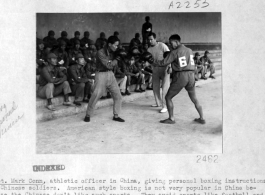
[184, 70]
[104, 70]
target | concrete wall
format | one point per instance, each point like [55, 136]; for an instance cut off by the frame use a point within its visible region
[192, 27]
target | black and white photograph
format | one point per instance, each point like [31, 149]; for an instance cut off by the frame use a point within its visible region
[129, 83]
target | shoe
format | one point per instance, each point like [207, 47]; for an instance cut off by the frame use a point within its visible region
[155, 105]
[86, 100]
[50, 107]
[118, 119]
[137, 90]
[212, 77]
[163, 110]
[87, 119]
[67, 103]
[149, 88]
[108, 95]
[167, 121]
[103, 97]
[199, 120]
[204, 78]
[77, 103]
[127, 93]
[142, 90]
[123, 94]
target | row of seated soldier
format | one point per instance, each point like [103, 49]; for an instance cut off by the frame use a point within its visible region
[69, 67]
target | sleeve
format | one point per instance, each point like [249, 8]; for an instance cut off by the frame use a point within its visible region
[46, 75]
[109, 64]
[165, 47]
[209, 61]
[72, 72]
[166, 61]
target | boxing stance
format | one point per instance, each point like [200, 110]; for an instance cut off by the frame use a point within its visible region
[181, 59]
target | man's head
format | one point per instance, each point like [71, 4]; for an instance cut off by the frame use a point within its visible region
[102, 35]
[51, 34]
[116, 34]
[40, 44]
[152, 38]
[174, 41]
[52, 59]
[77, 34]
[147, 18]
[77, 44]
[197, 55]
[62, 45]
[206, 53]
[113, 43]
[80, 59]
[64, 34]
[86, 34]
[145, 45]
[137, 36]
[131, 60]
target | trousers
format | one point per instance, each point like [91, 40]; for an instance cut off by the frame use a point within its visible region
[50, 90]
[105, 81]
[160, 74]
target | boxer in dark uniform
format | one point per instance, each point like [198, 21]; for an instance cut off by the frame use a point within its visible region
[181, 59]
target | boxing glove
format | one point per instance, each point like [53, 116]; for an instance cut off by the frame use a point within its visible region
[147, 57]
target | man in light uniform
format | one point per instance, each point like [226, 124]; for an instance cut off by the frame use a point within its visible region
[157, 49]
[183, 76]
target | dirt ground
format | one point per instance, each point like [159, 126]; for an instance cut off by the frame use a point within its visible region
[141, 132]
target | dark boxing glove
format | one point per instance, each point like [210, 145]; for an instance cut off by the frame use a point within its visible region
[120, 54]
[166, 54]
[147, 57]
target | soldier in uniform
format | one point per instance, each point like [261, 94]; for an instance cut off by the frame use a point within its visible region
[101, 41]
[207, 63]
[65, 39]
[183, 67]
[74, 51]
[79, 80]
[62, 55]
[53, 82]
[199, 68]
[50, 40]
[85, 40]
[74, 39]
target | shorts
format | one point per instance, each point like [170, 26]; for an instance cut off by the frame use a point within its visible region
[180, 80]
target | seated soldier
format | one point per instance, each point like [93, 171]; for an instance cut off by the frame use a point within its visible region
[136, 42]
[199, 68]
[50, 40]
[74, 51]
[53, 82]
[40, 56]
[101, 41]
[145, 47]
[79, 80]
[85, 40]
[65, 39]
[207, 63]
[74, 39]
[90, 51]
[138, 76]
[62, 55]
